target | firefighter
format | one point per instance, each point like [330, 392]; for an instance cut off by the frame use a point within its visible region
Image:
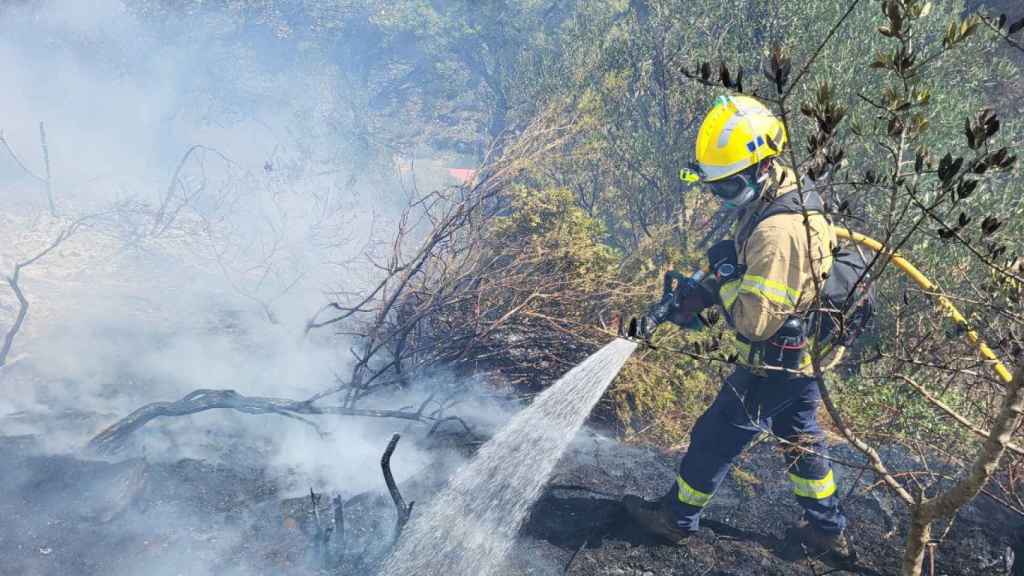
[764, 281]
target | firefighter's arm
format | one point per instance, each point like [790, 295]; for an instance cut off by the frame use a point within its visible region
[759, 301]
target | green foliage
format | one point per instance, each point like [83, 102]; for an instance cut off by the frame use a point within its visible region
[889, 412]
[548, 223]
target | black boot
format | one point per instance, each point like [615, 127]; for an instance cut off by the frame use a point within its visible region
[805, 540]
[656, 518]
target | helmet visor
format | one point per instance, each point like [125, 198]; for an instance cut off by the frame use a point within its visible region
[731, 187]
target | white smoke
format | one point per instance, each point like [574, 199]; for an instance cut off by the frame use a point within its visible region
[281, 207]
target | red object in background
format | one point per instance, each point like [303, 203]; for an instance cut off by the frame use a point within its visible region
[463, 175]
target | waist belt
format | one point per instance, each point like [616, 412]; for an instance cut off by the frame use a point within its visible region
[788, 349]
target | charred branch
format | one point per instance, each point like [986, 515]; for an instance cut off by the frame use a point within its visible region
[339, 519]
[465, 427]
[173, 203]
[12, 281]
[113, 437]
[323, 531]
[457, 297]
[404, 510]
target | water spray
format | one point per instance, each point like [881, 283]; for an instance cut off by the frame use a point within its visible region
[469, 528]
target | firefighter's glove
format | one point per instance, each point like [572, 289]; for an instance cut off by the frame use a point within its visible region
[692, 298]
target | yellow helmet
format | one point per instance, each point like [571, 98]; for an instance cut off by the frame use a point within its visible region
[738, 132]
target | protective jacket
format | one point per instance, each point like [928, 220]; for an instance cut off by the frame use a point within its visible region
[780, 256]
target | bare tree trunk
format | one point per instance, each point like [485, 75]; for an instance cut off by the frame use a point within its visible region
[918, 535]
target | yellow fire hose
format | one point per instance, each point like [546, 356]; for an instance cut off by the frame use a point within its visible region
[945, 304]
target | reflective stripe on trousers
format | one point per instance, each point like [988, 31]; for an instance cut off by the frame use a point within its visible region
[818, 489]
[689, 495]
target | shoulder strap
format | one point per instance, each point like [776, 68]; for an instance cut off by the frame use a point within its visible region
[789, 203]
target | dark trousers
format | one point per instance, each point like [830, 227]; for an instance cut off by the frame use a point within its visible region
[747, 405]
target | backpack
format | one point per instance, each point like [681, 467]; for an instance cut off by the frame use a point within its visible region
[848, 296]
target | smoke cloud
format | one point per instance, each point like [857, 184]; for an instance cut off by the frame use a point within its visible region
[228, 197]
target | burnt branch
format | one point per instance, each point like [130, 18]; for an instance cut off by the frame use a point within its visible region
[12, 281]
[404, 510]
[46, 160]
[17, 160]
[322, 536]
[456, 419]
[114, 436]
[339, 518]
[449, 291]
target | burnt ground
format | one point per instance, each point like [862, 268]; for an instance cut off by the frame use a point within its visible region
[68, 515]
[580, 523]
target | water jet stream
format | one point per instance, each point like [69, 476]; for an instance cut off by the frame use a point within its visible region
[469, 528]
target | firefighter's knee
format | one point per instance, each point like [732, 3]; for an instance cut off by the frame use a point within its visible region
[716, 434]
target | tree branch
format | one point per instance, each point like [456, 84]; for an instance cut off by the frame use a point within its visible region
[46, 163]
[13, 279]
[954, 414]
[828, 37]
[991, 453]
[111, 439]
[158, 221]
[982, 469]
[25, 169]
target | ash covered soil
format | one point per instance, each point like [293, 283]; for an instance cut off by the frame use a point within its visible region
[71, 515]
